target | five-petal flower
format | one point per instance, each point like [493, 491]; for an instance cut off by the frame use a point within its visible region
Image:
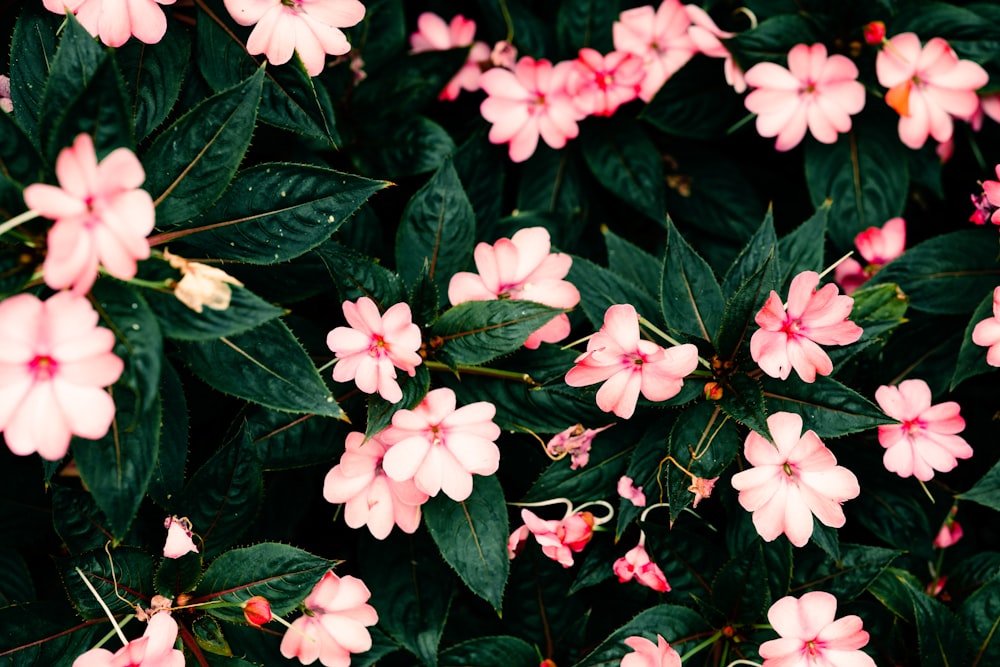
[809, 635]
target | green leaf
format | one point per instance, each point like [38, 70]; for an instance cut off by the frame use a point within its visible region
[738, 320]
[941, 635]
[128, 572]
[475, 332]
[402, 147]
[19, 160]
[626, 162]
[32, 51]
[980, 616]
[827, 407]
[246, 311]
[412, 83]
[77, 520]
[973, 36]
[552, 182]
[690, 296]
[802, 250]
[424, 298]
[740, 589]
[282, 441]
[743, 400]
[15, 579]
[672, 622]
[42, 634]
[986, 491]
[826, 539]
[695, 102]
[704, 441]
[972, 357]
[481, 166]
[168, 474]
[208, 634]
[192, 161]
[472, 537]
[586, 23]
[858, 566]
[600, 289]
[608, 462]
[380, 411]
[760, 249]
[152, 75]
[356, 276]
[498, 651]
[772, 39]
[878, 309]
[178, 575]
[631, 262]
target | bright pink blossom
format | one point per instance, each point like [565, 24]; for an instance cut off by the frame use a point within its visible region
[926, 439]
[335, 623]
[371, 497]
[791, 480]
[816, 92]
[874, 33]
[114, 21]
[54, 363]
[628, 365]
[878, 247]
[559, 539]
[433, 34]
[660, 37]
[810, 637]
[647, 654]
[310, 27]
[440, 447]
[987, 332]
[928, 86]
[991, 191]
[707, 37]
[154, 649]
[635, 564]
[101, 215]
[950, 533]
[527, 103]
[790, 334]
[371, 349]
[631, 493]
[600, 84]
[179, 537]
[574, 441]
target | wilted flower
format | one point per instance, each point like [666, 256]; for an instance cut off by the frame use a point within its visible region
[201, 285]
[648, 654]
[660, 37]
[635, 564]
[701, 488]
[574, 441]
[559, 539]
[631, 493]
[809, 635]
[115, 21]
[600, 84]
[179, 535]
[433, 34]
[878, 247]
[987, 332]
[154, 649]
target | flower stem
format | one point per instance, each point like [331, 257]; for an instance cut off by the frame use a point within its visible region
[649, 325]
[708, 642]
[481, 370]
[100, 601]
[327, 365]
[111, 633]
[602, 503]
[835, 265]
[17, 220]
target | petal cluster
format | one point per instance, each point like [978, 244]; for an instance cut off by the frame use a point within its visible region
[559, 539]
[154, 649]
[433, 34]
[659, 37]
[878, 246]
[647, 654]
[987, 332]
[600, 84]
[810, 635]
[635, 564]
[114, 21]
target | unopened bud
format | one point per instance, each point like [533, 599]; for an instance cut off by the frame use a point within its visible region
[713, 391]
[874, 33]
[257, 610]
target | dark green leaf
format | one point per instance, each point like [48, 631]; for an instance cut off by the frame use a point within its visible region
[178, 575]
[127, 572]
[553, 182]
[826, 538]
[740, 589]
[42, 634]
[626, 162]
[168, 474]
[282, 440]
[412, 82]
[943, 639]
[632, 262]
[208, 633]
[498, 651]
[480, 166]
[690, 295]
[78, 521]
[972, 357]
[19, 160]
[356, 276]
[380, 411]
[827, 407]
[424, 299]
[772, 39]
[971, 35]
[738, 320]
[402, 147]
[478, 331]
[382, 645]
[986, 491]
[585, 23]
[760, 249]
[382, 34]
[608, 463]
[980, 616]
[647, 465]
[153, 74]
[15, 579]
[672, 622]
[849, 577]
[32, 51]
[743, 400]
[704, 441]
[600, 289]
[246, 311]
[695, 102]
[802, 250]
[878, 309]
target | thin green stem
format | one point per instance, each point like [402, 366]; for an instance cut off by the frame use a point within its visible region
[927, 491]
[100, 601]
[113, 632]
[835, 264]
[700, 647]
[327, 365]
[508, 20]
[160, 285]
[480, 370]
[652, 327]
[17, 220]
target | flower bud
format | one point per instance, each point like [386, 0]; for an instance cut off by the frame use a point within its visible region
[874, 33]
[713, 391]
[257, 611]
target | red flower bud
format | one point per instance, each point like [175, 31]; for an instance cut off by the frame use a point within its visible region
[257, 610]
[874, 33]
[713, 391]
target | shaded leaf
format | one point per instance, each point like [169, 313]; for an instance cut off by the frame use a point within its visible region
[168, 473]
[499, 651]
[402, 147]
[128, 572]
[690, 296]
[827, 407]
[986, 491]
[695, 102]
[972, 357]
[478, 331]
[680, 626]
[626, 162]
[600, 289]
[356, 276]
[152, 74]
[802, 250]
[32, 50]
[380, 411]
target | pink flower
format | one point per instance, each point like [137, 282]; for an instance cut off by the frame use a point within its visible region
[574, 441]
[600, 84]
[179, 540]
[636, 564]
[310, 27]
[648, 654]
[660, 37]
[370, 496]
[439, 447]
[984, 210]
[631, 493]
[627, 365]
[701, 488]
[791, 480]
[529, 102]
[503, 54]
[927, 87]
[878, 247]
[789, 333]
[950, 533]
[990, 106]
[991, 191]
[987, 332]
[54, 361]
[521, 267]
[114, 21]
[334, 625]
[559, 539]
[5, 102]
[516, 541]
[925, 439]
[707, 38]
[371, 349]
[154, 649]
[433, 34]
[809, 635]
[815, 92]
[101, 216]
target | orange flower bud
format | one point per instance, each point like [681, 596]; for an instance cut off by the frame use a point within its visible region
[257, 610]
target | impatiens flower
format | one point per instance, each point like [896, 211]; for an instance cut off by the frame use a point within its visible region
[527, 103]
[816, 92]
[809, 635]
[574, 441]
[115, 21]
[648, 654]
[791, 480]
[927, 87]
[335, 624]
[309, 27]
[559, 539]
[600, 84]
[790, 334]
[627, 365]
[54, 363]
[990, 106]
[631, 493]
[371, 497]
[707, 37]
[521, 267]
[991, 191]
[987, 332]
[516, 541]
[635, 564]
[983, 210]
[433, 34]
[201, 285]
[878, 247]
[154, 649]
[660, 37]
[179, 535]
[371, 349]
[950, 533]
[503, 54]
[701, 488]
[101, 216]
[440, 447]
[925, 439]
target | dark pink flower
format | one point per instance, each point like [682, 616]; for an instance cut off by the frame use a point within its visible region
[874, 33]
[179, 537]
[810, 637]
[991, 191]
[600, 84]
[950, 533]
[631, 493]
[707, 37]
[114, 21]
[635, 564]
[878, 247]
[574, 441]
[987, 332]
[559, 539]
[660, 37]
[154, 649]
[433, 34]
[647, 654]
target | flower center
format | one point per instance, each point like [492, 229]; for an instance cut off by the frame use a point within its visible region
[437, 438]
[44, 367]
[788, 469]
[912, 427]
[378, 347]
[793, 327]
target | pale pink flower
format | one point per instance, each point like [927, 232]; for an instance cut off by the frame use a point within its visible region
[600, 84]
[370, 496]
[516, 541]
[371, 349]
[790, 334]
[987, 332]
[701, 488]
[928, 86]
[991, 191]
[527, 103]
[660, 37]
[990, 106]
[503, 54]
[310, 27]
[335, 624]
[154, 649]
[707, 37]
[791, 480]
[635, 564]
[926, 439]
[54, 362]
[631, 493]
[628, 365]
[559, 539]
[816, 92]
[809, 635]
[114, 21]
[179, 537]
[521, 267]
[574, 441]
[647, 654]
[878, 247]
[101, 216]
[433, 34]
[440, 447]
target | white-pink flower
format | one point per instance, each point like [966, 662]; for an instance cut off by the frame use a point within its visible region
[154, 649]
[635, 564]
[179, 537]
[433, 34]
[987, 332]
[647, 654]
[630, 492]
[810, 637]
[101, 216]
[926, 439]
[114, 21]
[54, 363]
[707, 37]
[309, 27]
[521, 267]
[878, 246]
[600, 84]
[369, 495]
[792, 480]
[816, 92]
[628, 365]
[440, 447]
[559, 539]
[928, 86]
[371, 349]
[660, 37]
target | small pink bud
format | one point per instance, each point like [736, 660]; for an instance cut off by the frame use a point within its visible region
[951, 532]
[874, 33]
[257, 611]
